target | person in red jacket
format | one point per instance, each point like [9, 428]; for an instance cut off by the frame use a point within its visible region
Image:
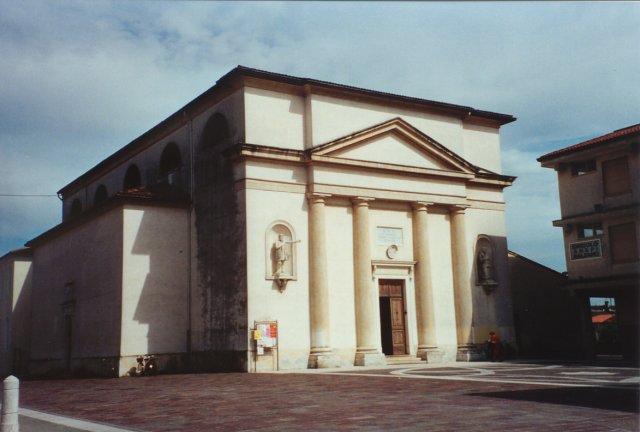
[494, 346]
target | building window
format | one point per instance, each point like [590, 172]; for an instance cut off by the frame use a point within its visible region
[583, 167]
[623, 242]
[615, 175]
[131, 178]
[590, 230]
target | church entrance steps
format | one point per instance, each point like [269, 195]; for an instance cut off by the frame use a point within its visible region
[403, 360]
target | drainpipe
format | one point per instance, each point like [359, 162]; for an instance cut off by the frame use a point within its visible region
[189, 233]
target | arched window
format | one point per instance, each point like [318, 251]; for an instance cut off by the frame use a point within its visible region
[170, 160]
[100, 195]
[216, 131]
[76, 208]
[132, 178]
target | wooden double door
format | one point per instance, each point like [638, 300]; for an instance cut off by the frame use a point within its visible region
[392, 317]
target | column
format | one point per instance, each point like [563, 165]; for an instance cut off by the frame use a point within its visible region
[425, 307]
[462, 286]
[320, 355]
[366, 296]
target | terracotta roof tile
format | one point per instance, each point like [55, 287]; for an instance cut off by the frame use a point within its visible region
[620, 133]
[603, 318]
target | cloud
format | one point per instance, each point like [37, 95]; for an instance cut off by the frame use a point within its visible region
[81, 79]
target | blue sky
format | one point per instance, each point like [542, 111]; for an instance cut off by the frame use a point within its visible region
[78, 80]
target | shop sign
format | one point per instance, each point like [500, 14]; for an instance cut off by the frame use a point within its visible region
[585, 249]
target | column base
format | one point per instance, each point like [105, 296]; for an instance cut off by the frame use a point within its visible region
[430, 355]
[469, 353]
[323, 360]
[370, 358]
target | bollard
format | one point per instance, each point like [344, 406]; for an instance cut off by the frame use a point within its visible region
[10, 395]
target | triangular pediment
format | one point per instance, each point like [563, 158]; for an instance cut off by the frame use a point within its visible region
[396, 143]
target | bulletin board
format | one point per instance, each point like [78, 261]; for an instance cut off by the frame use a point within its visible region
[265, 337]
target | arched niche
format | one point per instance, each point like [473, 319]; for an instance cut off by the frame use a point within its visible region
[280, 251]
[216, 131]
[132, 178]
[101, 195]
[170, 162]
[485, 261]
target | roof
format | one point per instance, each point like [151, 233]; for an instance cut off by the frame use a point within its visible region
[228, 81]
[595, 142]
[288, 79]
[513, 254]
[23, 252]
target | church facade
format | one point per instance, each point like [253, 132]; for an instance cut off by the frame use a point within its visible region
[277, 222]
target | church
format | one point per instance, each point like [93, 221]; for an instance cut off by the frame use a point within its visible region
[276, 223]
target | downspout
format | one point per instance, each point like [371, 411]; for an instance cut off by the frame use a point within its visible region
[189, 233]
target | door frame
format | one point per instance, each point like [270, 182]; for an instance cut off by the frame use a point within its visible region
[403, 283]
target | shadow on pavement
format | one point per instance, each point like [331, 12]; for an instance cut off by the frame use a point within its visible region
[614, 399]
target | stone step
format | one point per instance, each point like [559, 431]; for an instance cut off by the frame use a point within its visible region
[403, 359]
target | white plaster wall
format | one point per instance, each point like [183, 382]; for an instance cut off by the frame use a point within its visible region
[21, 320]
[391, 149]
[90, 258]
[339, 233]
[155, 280]
[388, 215]
[384, 214]
[482, 194]
[482, 147]
[388, 182]
[274, 119]
[334, 118]
[492, 312]
[441, 269]
[265, 302]
[275, 172]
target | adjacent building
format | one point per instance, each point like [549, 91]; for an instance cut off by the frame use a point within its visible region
[599, 184]
[277, 222]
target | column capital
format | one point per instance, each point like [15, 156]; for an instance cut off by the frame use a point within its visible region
[361, 201]
[421, 205]
[458, 208]
[317, 197]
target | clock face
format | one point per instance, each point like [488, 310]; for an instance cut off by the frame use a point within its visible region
[392, 251]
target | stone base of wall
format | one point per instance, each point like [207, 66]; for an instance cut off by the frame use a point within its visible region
[113, 367]
[106, 367]
[218, 361]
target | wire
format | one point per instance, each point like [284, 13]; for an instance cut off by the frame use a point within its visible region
[27, 195]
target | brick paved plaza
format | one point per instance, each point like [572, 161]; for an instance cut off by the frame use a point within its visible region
[469, 397]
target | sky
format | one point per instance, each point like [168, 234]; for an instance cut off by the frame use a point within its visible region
[79, 80]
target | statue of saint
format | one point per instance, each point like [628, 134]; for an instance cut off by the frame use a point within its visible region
[282, 253]
[485, 265]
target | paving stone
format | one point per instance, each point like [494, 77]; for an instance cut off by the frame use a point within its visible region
[345, 402]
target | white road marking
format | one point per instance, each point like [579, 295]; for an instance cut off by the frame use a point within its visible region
[70, 422]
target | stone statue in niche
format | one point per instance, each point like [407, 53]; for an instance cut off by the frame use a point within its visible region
[280, 254]
[485, 265]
